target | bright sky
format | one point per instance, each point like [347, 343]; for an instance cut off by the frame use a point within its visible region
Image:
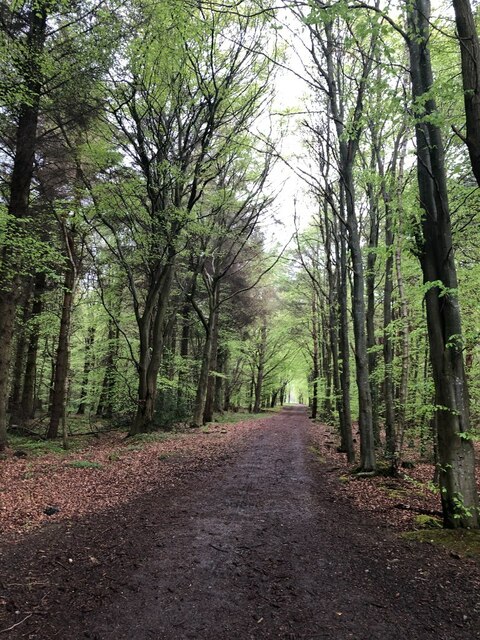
[291, 91]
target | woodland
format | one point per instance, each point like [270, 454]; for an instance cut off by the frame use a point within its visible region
[139, 285]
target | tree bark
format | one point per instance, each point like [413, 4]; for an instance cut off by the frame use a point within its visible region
[184, 354]
[455, 449]
[470, 56]
[344, 350]
[151, 349]
[28, 393]
[87, 367]
[370, 318]
[60, 380]
[315, 356]
[258, 388]
[390, 437]
[365, 424]
[15, 404]
[210, 397]
[219, 395]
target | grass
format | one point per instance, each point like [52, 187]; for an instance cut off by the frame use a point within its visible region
[232, 417]
[35, 447]
[462, 542]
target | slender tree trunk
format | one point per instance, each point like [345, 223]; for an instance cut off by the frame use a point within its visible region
[370, 318]
[260, 368]
[87, 367]
[405, 341]
[59, 393]
[315, 356]
[219, 395]
[326, 352]
[228, 381]
[470, 55]
[28, 393]
[455, 449]
[208, 347]
[346, 445]
[15, 404]
[390, 437]
[344, 349]
[367, 442]
[210, 397]
[184, 354]
[348, 146]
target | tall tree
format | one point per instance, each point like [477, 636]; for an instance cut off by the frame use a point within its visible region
[470, 56]
[435, 248]
[29, 25]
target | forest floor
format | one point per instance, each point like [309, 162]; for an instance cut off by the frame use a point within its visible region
[247, 531]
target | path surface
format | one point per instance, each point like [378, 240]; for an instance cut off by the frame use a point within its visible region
[263, 547]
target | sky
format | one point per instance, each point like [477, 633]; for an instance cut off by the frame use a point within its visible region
[290, 95]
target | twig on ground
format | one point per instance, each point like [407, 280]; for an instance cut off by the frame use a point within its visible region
[217, 548]
[16, 624]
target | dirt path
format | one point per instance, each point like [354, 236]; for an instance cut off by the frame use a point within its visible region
[259, 547]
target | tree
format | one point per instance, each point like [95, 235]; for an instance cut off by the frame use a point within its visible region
[435, 249]
[470, 55]
[29, 24]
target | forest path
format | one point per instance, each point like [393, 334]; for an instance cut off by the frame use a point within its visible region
[264, 549]
[259, 545]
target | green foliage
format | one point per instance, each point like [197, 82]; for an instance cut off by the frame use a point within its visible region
[35, 447]
[428, 522]
[461, 542]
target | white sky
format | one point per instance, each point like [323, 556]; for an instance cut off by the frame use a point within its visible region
[291, 92]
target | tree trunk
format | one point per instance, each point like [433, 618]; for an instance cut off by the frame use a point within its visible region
[327, 409]
[367, 442]
[184, 354]
[470, 55]
[370, 319]
[28, 393]
[219, 396]
[405, 340]
[390, 437]
[315, 356]
[60, 380]
[15, 403]
[210, 397]
[260, 368]
[348, 141]
[87, 367]
[344, 349]
[455, 449]
[151, 335]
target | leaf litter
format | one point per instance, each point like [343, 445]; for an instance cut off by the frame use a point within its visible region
[109, 471]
